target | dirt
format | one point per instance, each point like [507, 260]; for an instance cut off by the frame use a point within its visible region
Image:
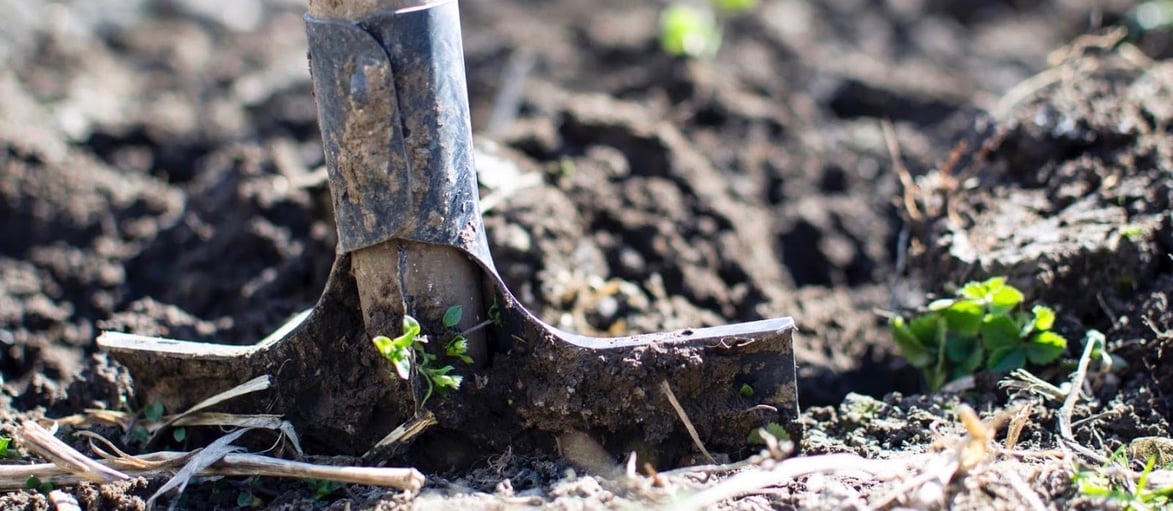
[161, 173]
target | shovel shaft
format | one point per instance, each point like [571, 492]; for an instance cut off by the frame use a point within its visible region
[393, 107]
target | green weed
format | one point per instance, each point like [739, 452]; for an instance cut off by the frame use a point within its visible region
[407, 352]
[323, 489]
[982, 326]
[694, 31]
[1096, 484]
[34, 483]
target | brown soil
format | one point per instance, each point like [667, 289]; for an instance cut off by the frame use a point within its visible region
[160, 173]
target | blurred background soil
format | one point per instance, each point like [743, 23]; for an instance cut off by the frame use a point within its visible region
[161, 173]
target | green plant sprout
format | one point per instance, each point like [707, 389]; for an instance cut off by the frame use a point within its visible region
[4, 443]
[1132, 231]
[34, 483]
[403, 350]
[495, 313]
[981, 325]
[694, 31]
[771, 428]
[323, 488]
[1096, 484]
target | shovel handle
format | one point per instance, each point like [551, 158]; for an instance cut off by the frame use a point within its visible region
[392, 101]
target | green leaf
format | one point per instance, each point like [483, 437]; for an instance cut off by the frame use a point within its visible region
[385, 346]
[402, 363]
[247, 499]
[323, 489]
[964, 317]
[411, 329]
[1000, 332]
[4, 441]
[179, 434]
[444, 381]
[34, 483]
[1007, 358]
[993, 284]
[975, 291]
[929, 330]
[746, 390]
[965, 352]
[452, 316]
[1045, 347]
[911, 347]
[771, 428]
[458, 348]
[1044, 318]
[687, 31]
[153, 412]
[1004, 299]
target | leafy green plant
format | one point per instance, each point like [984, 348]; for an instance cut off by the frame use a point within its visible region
[151, 413]
[688, 30]
[402, 351]
[981, 326]
[1132, 231]
[771, 428]
[4, 452]
[322, 488]
[35, 483]
[495, 313]
[1094, 483]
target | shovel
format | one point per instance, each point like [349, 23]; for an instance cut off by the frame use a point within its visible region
[389, 82]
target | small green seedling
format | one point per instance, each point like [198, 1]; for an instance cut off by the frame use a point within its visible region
[772, 428]
[1132, 231]
[246, 499]
[34, 483]
[981, 326]
[402, 351]
[687, 31]
[4, 452]
[152, 413]
[323, 489]
[495, 313]
[1096, 484]
[694, 31]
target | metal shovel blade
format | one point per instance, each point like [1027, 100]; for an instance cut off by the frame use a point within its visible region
[394, 112]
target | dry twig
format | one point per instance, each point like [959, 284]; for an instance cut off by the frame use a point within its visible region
[696, 439]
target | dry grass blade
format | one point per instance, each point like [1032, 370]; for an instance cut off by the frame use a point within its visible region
[248, 387]
[256, 384]
[1077, 380]
[258, 421]
[1017, 423]
[696, 439]
[402, 434]
[122, 459]
[206, 457]
[753, 481]
[42, 443]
